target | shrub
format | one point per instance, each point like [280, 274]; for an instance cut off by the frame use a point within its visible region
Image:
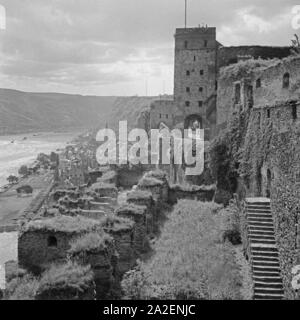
[94, 242]
[22, 288]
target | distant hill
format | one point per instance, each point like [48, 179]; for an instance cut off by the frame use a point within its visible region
[22, 112]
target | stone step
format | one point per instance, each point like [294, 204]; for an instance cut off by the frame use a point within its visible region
[261, 229]
[266, 268]
[264, 259]
[260, 254]
[261, 233]
[269, 291]
[266, 285]
[260, 224]
[259, 221]
[266, 264]
[259, 211]
[262, 237]
[266, 273]
[267, 297]
[264, 247]
[257, 215]
[262, 241]
[267, 279]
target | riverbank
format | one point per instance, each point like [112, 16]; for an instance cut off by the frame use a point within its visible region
[17, 150]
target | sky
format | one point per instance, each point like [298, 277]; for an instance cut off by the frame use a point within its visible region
[121, 47]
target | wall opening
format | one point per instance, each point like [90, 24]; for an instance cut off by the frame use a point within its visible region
[201, 72]
[268, 113]
[286, 81]
[186, 44]
[294, 112]
[188, 73]
[269, 182]
[52, 242]
[237, 93]
[258, 83]
[187, 103]
[193, 121]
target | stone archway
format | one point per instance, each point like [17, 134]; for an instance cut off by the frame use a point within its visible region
[193, 121]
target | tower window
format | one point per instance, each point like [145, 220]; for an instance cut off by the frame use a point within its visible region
[167, 116]
[200, 89]
[268, 113]
[286, 81]
[160, 116]
[294, 112]
[201, 72]
[188, 72]
[205, 43]
[194, 58]
[52, 242]
[188, 89]
[200, 103]
[216, 85]
[187, 103]
[258, 83]
[186, 44]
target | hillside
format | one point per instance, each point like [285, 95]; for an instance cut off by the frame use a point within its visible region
[22, 112]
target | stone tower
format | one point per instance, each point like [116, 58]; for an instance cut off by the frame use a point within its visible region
[195, 74]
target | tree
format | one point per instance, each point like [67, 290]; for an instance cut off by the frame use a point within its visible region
[12, 179]
[23, 171]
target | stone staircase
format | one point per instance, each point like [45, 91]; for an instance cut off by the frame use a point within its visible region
[263, 250]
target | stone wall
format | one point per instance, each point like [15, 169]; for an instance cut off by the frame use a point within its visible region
[178, 192]
[258, 81]
[34, 252]
[139, 215]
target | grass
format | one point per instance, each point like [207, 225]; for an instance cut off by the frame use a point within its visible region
[66, 276]
[91, 242]
[22, 288]
[62, 224]
[191, 261]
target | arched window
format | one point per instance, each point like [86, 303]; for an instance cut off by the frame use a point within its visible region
[286, 81]
[52, 241]
[258, 83]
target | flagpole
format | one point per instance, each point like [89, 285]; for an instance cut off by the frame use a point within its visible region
[185, 14]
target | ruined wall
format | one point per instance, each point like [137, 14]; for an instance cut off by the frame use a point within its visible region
[229, 55]
[34, 252]
[272, 90]
[259, 81]
[139, 215]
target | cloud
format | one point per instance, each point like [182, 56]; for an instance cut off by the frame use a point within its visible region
[114, 46]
